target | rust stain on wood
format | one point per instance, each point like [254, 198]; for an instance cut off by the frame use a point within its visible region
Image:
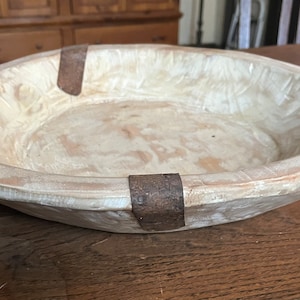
[157, 201]
[71, 69]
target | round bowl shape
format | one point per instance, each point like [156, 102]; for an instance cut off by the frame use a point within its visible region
[216, 132]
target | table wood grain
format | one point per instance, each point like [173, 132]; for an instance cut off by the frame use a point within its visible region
[257, 258]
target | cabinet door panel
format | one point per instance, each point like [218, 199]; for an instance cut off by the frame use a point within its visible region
[96, 6]
[22, 8]
[17, 44]
[162, 33]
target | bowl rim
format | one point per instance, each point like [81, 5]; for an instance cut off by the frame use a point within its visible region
[112, 193]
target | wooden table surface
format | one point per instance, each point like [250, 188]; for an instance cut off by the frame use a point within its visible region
[254, 259]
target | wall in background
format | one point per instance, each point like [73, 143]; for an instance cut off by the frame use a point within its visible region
[188, 22]
[212, 22]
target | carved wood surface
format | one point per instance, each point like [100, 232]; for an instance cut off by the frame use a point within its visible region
[245, 160]
[254, 259]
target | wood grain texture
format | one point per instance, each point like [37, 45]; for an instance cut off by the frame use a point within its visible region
[243, 260]
[254, 259]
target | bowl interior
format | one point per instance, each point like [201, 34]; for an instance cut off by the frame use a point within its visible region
[150, 109]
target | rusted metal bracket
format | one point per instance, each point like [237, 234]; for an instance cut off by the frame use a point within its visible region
[157, 201]
[71, 69]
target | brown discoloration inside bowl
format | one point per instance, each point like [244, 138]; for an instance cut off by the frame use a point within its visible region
[211, 164]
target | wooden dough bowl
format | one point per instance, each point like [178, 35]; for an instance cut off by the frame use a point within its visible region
[215, 133]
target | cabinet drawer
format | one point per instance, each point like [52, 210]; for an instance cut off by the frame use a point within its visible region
[147, 5]
[86, 7]
[17, 44]
[162, 33]
[22, 8]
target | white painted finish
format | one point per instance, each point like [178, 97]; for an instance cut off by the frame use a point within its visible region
[231, 119]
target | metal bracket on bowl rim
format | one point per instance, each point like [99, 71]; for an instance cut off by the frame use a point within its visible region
[71, 69]
[157, 201]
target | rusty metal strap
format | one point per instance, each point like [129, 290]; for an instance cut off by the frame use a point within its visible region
[157, 201]
[71, 69]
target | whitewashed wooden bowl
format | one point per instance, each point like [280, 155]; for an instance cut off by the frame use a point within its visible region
[75, 124]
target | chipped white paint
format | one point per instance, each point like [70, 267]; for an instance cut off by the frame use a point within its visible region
[230, 118]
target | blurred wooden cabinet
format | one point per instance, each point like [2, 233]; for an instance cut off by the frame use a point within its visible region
[31, 26]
